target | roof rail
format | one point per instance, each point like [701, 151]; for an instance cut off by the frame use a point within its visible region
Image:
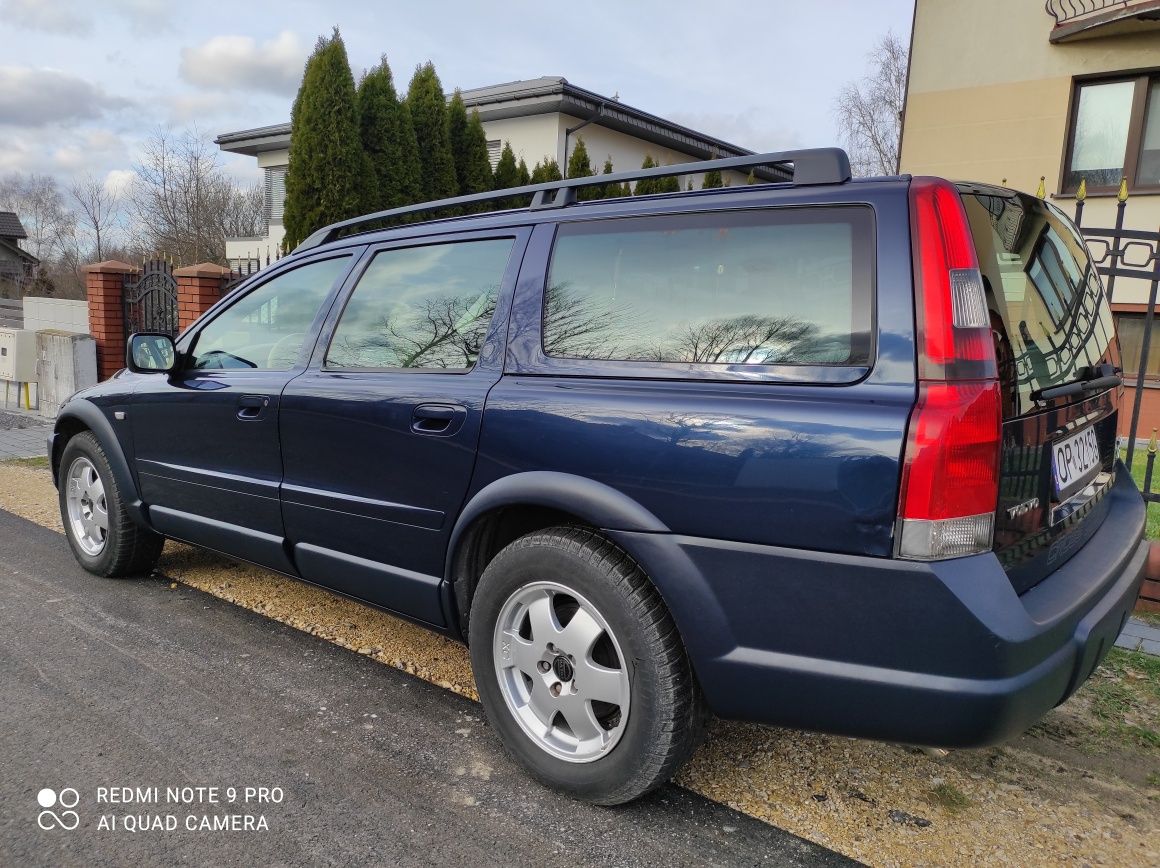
[810, 166]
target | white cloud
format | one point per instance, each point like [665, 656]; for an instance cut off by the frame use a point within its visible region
[34, 97]
[63, 153]
[242, 63]
[50, 16]
[118, 181]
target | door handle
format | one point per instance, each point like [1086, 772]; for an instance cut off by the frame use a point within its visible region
[439, 419]
[250, 407]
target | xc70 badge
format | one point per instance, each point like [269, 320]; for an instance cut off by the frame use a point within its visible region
[1023, 508]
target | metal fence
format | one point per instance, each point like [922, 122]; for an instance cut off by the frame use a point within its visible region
[1129, 254]
[150, 299]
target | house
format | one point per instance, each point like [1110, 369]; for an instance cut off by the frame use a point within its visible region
[17, 266]
[1067, 91]
[540, 118]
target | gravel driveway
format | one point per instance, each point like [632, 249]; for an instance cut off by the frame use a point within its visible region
[1078, 788]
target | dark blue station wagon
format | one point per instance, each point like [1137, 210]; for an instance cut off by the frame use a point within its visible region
[821, 453]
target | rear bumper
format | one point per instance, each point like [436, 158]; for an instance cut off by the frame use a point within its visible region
[942, 654]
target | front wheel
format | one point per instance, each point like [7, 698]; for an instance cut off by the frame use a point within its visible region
[104, 538]
[580, 667]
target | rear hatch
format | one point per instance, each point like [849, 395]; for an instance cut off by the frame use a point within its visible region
[1052, 327]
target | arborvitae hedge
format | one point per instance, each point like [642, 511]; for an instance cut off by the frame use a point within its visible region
[476, 174]
[328, 168]
[712, 179]
[389, 142]
[646, 186]
[546, 170]
[429, 118]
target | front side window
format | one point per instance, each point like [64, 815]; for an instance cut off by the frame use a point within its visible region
[421, 307]
[264, 330]
[788, 286]
[1115, 133]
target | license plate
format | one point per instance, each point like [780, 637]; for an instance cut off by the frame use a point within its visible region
[1074, 458]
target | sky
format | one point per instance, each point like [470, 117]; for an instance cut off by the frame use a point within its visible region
[84, 82]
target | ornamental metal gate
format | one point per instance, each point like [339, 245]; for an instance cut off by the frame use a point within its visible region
[1131, 254]
[150, 299]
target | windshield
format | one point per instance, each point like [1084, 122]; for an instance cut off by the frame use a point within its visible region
[1049, 315]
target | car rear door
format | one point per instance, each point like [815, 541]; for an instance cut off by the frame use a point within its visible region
[206, 436]
[1052, 326]
[379, 435]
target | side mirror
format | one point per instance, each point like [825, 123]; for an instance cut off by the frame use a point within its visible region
[150, 354]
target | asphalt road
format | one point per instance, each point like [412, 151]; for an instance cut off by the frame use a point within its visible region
[111, 684]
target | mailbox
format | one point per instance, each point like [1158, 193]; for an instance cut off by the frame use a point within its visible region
[18, 355]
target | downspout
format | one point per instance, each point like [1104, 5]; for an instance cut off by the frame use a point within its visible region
[569, 130]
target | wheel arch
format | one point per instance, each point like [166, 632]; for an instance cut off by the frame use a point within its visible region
[520, 504]
[79, 416]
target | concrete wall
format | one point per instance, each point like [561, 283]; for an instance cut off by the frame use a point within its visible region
[65, 362]
[56, 313]
[989, 97]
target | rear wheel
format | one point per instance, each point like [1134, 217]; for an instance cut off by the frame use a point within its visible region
[104, 538]
[580, 667]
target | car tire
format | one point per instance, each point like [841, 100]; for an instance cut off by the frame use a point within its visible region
[104, 538]
[576, 610]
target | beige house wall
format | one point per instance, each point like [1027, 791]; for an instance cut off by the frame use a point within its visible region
[989, 98]
[532, 138]
[628, 152]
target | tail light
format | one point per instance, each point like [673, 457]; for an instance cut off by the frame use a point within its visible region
[950, 472]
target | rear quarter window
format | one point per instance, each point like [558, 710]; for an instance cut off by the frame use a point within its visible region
[741, 289]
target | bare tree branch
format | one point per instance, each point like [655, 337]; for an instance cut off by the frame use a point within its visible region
[97, 211]
[869, 112]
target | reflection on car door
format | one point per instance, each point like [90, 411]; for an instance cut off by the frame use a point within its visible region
[379, 434]
[206, 437]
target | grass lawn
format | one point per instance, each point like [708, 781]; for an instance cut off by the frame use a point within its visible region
[40, 461]
[1139, 462]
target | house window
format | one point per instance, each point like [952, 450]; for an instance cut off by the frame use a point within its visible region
[275, 193]
[1114, 133]
[1130, 330]
[494, 149]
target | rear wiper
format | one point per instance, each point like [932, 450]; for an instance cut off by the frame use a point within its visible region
[1091, 379]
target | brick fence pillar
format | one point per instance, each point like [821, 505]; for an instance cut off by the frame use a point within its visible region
[198, 287]
[104, 282]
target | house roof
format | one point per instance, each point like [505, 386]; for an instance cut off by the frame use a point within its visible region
[10, 226]
[10, 245]
[532, 97]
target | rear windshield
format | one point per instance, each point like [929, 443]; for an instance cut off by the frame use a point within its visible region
[788, 286]
[1049, 315]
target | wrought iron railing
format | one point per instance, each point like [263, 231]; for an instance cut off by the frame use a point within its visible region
[1130, 254]
[1066, 11]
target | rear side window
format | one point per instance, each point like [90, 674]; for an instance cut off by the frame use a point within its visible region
[1050, 317]
[421, 307]
[790, 286]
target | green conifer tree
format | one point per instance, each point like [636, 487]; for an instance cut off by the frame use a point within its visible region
[328, 168]
[429, 118]
[712, 179]
[646, 186]
[579, 166]
[507, 174]
[752, 179]
[546, 170]
[524, 175]
[476, 177]
[457, 138]
[389, 142]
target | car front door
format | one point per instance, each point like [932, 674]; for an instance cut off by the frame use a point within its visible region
[379, 434]
[205, 437]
